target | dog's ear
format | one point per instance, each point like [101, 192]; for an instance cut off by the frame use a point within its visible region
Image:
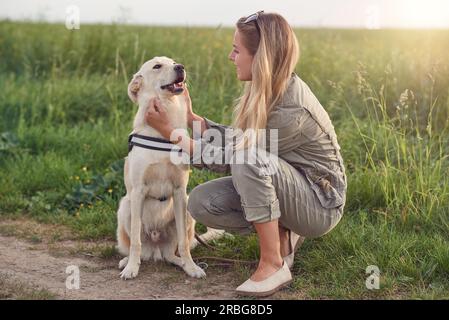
[134, 87]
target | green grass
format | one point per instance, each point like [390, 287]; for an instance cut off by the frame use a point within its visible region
[65, 117]
[15, 290]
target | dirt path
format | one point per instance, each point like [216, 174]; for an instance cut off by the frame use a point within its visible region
[37, 263]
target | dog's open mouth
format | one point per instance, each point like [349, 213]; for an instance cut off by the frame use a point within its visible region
[176, 87]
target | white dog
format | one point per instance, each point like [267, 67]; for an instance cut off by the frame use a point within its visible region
[153, 221]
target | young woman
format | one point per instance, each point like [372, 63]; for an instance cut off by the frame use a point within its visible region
[306, 194]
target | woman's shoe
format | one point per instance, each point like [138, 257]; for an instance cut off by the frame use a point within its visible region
[295, 242]
[270, 285]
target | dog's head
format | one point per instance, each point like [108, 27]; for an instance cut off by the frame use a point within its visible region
[160, 76]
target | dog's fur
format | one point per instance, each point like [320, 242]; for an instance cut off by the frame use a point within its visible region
[147, 227]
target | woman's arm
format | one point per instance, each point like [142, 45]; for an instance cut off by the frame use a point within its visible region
[157, 118]
[204, 122]
[191, 116]
[201, 120]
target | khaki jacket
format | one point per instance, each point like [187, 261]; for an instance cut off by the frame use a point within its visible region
[306, 140]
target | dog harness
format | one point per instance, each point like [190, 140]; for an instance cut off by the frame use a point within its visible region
[152, 144]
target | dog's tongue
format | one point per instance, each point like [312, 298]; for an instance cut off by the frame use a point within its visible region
[174, 87]
[178, 88]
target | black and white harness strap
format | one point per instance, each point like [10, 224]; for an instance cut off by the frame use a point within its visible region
[151, 143]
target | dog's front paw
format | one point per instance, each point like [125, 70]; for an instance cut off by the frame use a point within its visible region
[123, 263]
[194, 271]
[130, 271]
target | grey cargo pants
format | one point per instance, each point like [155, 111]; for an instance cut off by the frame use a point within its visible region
[235, 202]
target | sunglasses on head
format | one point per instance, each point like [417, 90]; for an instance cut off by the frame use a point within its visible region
[253, 17]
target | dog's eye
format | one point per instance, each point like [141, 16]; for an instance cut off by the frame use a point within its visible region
[158, 66]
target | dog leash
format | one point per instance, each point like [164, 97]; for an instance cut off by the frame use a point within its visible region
[225, 260]
[204, 243]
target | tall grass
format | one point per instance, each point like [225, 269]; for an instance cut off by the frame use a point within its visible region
[405, 152]
[65, 117]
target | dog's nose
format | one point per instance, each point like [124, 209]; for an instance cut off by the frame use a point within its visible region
[179, 68]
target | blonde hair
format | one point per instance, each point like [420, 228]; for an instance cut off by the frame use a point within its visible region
[275, 50]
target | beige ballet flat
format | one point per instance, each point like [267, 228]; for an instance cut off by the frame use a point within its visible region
[270, 285]
[296, 242]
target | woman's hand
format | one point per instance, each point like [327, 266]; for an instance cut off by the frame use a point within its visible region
[190, 115]
[157, 118]
[188, 102]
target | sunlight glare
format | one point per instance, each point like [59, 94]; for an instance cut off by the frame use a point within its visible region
[423, 13]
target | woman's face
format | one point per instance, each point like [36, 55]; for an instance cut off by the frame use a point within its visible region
[242, 59]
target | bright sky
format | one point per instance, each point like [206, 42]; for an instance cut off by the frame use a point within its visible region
[300, 13]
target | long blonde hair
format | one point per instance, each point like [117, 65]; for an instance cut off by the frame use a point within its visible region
[275, 50]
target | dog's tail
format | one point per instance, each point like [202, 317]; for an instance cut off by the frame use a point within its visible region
[211, 234]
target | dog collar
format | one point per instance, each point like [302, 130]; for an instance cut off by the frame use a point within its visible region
[151, 143]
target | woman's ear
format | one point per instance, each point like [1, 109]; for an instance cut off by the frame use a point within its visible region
[134, 87]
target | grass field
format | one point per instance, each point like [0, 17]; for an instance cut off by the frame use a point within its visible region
[65, 117]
